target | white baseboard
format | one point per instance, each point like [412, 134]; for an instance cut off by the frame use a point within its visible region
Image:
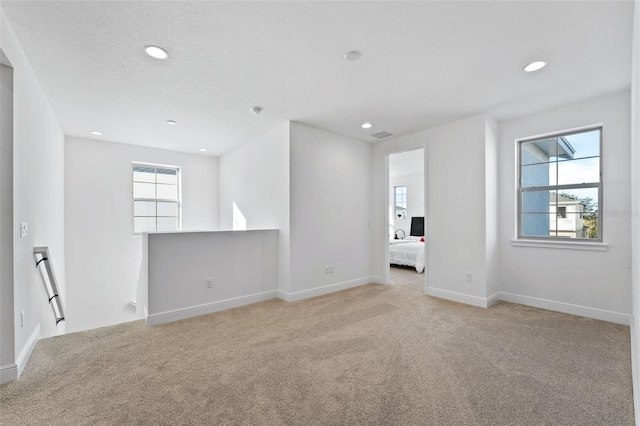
[377, 280]
[634, 372]
[467, 299]
[320, 291]
[25, 353]
[567, 308]
[208, 308]
[551, 305]
[493, 299]
[8, 373]
[11, 372]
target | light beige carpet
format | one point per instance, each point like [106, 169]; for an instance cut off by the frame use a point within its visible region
[406, 275]
[372, 355]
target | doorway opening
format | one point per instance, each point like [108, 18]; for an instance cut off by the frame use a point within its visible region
[406, 219]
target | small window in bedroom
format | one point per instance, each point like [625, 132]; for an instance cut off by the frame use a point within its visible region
[400, 201]
[560, 186]
[156, 198]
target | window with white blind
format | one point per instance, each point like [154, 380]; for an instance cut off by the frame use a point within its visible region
[156, 198]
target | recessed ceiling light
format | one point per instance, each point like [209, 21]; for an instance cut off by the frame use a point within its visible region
[535, 66]
[202, 149]
[352, 55]
[156, 52]
[366, 125]
[171, 123]
[93, 132]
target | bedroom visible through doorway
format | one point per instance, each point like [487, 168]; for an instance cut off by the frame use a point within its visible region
[407, 238]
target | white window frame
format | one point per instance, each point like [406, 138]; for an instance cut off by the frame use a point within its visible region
[178, 170]
[519, 193]
[395, 201]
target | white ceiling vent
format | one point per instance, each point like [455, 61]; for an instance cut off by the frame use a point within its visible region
[381, 135]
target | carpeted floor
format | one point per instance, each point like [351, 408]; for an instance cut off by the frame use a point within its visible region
[406, 275]
[372, 355]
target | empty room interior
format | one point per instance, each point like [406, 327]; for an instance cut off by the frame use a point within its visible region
[349, 212]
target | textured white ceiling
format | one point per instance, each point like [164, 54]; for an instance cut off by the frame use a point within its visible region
[423, 63]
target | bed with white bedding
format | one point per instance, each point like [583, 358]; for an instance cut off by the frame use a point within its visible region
[408, 251]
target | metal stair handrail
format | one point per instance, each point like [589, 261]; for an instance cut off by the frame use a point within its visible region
[49, 279]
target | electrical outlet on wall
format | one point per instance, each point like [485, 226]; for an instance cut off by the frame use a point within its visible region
[208, 282]
[24, 229]
[469, 277]
[22, 319]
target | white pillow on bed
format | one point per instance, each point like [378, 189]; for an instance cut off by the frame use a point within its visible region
[412, 238]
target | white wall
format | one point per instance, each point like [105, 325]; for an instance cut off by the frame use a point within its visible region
[46, 182]
[598, 280]
[255, 177]
[457, 206]
[331, 210]
[7, 347]
[635, 208]
[491, 206]
[243, 266]
[455, 216]
[415, 199]
[38, 188]
[295, 176]
[103, 255]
